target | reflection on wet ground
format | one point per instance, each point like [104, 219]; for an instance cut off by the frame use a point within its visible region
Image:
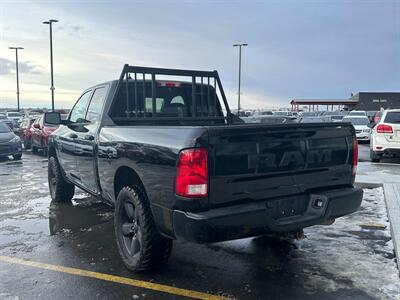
[352, 259]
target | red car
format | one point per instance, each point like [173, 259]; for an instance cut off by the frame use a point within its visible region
[40, 135]
[24, 132]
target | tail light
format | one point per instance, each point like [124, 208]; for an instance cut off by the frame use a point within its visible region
[169, 83]
[192, 173]
[355, 157]
[383, 128]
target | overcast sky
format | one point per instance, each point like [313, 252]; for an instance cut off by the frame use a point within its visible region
[297, 49]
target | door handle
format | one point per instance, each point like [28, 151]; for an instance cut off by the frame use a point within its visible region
[73, 136]
[89, 137]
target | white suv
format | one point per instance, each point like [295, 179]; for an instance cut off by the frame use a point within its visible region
[385, 136]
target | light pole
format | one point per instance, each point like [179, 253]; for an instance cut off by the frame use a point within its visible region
[16, 67]
[240, 70]
[50, 22]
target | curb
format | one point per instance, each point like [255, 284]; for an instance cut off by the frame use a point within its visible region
[392, 200]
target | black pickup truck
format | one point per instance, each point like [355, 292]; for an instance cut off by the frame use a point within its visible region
[175, 164]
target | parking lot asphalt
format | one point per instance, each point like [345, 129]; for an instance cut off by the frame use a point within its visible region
[50, 250]
[386, 171]
[363, 152]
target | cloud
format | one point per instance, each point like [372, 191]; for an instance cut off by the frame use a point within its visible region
[7, 67]
[69, 29]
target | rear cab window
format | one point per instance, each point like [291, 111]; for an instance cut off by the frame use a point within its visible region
[173, 99]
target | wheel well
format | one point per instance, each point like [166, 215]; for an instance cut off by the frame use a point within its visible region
[125, 176]
[52, 152]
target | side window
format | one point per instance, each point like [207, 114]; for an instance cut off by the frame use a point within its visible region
[149, 104]
[79, 111]
[96, 104]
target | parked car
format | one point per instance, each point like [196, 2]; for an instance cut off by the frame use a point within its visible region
[10, 144]
[385, 136]
[335, 118]
[268, 119]
[283, 113]
[265, 113]
[360, 123]
[307, 114]
[24, 131]
[312, 120]
[327, 115]
[4, 119]
[357, 113]
[15, 116]
[177, 167]
[40, 132]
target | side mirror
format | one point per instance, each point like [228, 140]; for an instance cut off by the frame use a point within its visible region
[52, 118]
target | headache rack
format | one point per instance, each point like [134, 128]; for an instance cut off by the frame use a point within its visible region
[207, 80]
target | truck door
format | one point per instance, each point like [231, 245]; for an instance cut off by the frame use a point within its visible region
[86, 142]
[68, 137]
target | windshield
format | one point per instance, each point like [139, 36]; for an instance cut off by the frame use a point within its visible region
[309, 114]
[330, 113]
[4, 128]
[392, 118]
[311, 120]
[266, 113]
[14, 114]
[357, 121]
[281, 113]
[357, 113]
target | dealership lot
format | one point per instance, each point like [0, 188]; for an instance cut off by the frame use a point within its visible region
[351, 259]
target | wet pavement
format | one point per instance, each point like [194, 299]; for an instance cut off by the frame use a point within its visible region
[351, 259]
[386, 171]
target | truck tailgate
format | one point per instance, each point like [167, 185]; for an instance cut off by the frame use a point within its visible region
[257, 162]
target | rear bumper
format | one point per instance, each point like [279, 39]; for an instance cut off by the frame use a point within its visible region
[363, 136]
[388, 151]
[250, 219]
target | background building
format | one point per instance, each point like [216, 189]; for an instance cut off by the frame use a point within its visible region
[376, 100]
[360, 101]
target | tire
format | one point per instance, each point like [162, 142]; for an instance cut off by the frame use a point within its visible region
[141, 246]
[374, 157]
[34, 148]
[17, 156]
[27, 143]
[44, 148]
[60, 189]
